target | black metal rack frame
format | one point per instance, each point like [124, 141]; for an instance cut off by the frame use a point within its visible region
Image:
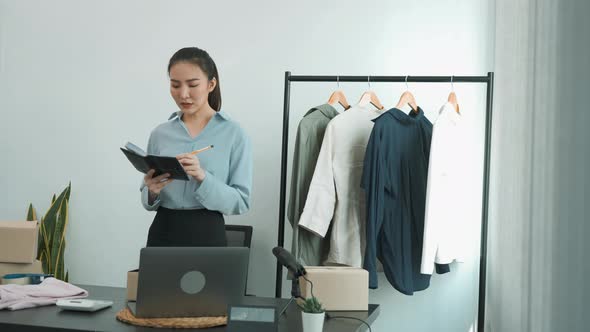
[488, 80]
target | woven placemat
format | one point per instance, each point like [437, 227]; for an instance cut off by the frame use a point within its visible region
[127, 316]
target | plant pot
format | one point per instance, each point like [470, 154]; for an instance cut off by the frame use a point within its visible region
[312, 322]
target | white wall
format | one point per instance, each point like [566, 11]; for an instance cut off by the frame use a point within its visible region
[80, 78]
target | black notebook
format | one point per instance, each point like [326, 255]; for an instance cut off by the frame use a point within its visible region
[144, 162]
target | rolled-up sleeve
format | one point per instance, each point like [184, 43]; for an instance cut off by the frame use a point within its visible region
[145, 199]
[321, 199]
[232, 197]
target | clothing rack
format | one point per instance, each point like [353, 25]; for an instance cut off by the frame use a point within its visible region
[488, 80]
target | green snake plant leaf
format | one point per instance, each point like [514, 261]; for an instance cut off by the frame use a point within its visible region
[51, 219]
[43, 240]
[58, 243]
[51, 215]
[62, 263]
[31, 213]
[44, 261]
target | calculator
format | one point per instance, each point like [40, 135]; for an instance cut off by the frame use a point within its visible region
[83, 304]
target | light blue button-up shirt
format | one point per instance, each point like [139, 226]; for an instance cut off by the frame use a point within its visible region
[228, 166]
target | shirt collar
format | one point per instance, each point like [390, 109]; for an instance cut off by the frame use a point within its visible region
[406, 118]
[177, 114]
[369, 109]
[326, 109]
[448, 110]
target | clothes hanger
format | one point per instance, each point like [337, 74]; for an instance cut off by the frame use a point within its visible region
[407, 98]
[338, 96]
[370, 97]
[453, 97]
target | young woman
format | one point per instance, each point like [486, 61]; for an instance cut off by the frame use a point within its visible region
[190, 213]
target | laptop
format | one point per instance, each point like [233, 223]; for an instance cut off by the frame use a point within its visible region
[189, 281]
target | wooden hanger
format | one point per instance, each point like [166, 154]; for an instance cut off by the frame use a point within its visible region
[453, 97]
[339, 97]
[370, 97]
[407, 98]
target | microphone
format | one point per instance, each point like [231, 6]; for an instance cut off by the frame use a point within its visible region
[287, 260]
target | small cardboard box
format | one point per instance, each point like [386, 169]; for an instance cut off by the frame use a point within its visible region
[18, 241]
[338, 288]
[132, 277]
[10, 268]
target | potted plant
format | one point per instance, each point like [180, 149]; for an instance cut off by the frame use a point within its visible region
[52, 230]
[313, 315]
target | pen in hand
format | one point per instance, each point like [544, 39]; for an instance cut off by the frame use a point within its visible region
[201, 150]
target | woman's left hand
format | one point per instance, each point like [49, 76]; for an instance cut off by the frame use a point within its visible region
[192, 166]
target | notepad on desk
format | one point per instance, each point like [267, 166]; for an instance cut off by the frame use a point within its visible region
[143, 162]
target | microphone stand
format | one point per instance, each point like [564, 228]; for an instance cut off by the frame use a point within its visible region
[295, 290]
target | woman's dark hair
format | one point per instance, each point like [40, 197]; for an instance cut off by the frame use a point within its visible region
[200, 58]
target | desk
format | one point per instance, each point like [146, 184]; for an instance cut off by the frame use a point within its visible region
[51, 318]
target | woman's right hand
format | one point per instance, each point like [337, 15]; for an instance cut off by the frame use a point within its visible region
[156, 184]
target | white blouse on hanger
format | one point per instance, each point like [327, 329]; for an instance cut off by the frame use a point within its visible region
[445, 220]
[335, 194]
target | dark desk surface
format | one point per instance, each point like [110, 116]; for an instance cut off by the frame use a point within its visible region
[51, 318]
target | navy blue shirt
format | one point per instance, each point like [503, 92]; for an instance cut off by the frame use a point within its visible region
[394, 178]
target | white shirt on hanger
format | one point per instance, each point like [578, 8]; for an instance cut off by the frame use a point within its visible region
[335, 193]
[445, 220]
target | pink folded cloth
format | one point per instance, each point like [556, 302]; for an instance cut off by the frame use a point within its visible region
[16, 297]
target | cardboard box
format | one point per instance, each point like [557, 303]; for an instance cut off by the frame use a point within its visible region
[132, 277]
[18, 241]
[10, 268]
[338, 288]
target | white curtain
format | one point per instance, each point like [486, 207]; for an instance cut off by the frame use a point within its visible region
[538, 249]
